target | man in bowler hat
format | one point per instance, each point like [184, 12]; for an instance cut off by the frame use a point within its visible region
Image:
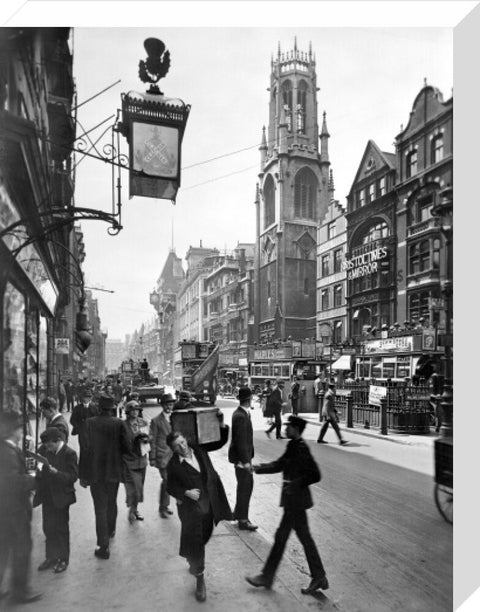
[106, 442]
[184, 401]
[299, 471]
[240, 453]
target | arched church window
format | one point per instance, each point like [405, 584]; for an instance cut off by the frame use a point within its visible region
[287, 99]
[269, 202]
[305, 196]
[301, 107]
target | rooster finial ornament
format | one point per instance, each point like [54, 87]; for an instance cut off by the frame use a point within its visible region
[157, 64]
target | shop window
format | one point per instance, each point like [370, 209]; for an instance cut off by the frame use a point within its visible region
[337, 260]
[325, 265]
[437, 149]
[412, 160]
[14, 349]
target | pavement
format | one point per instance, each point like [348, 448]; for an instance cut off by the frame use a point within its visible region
[145, 571]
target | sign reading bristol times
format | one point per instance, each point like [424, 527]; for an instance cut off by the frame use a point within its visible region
[364, 264]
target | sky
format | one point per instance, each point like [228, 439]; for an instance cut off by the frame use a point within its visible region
[368, 80]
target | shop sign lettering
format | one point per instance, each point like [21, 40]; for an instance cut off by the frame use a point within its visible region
[401, 343]
[364, 264]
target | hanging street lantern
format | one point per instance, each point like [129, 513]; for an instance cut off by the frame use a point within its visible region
[153, 126]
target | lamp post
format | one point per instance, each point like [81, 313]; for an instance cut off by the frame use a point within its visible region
[444, 212]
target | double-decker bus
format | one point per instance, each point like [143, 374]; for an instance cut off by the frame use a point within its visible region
[196, 370]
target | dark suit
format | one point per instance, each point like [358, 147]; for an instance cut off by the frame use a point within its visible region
[78, 421]
[15, 517]
[106, 442]
[241, 452]
[198, 517]
[56, 493]
[161, 454]
[61, 424]
[299, 471]
[275, 404]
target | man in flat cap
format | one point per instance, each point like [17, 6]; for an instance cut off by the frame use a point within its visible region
[106, 441]
[299, 471]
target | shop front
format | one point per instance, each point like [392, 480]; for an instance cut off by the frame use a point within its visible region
[28, 300]
[395, 359]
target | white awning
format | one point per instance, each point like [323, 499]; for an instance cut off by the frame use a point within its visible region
[344, 362]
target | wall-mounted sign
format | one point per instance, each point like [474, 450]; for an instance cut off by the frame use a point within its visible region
[62, 346]
[364, 264]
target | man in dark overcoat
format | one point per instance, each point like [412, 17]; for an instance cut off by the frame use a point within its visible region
[106, 441]
[299, 471]
[240, 453]
[85, 409]
[201, 498]
[56, 493]
[276, 403]
[15, 510]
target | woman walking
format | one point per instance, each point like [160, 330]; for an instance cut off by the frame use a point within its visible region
[201, 499]
[136, 460]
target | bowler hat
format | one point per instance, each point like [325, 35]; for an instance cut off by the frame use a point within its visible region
[131, 405]
[166, 397]
[184, 395]
[244, 393]
[105, 402]
[296, 421]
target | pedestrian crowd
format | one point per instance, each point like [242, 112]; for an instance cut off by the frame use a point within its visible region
[115, 450]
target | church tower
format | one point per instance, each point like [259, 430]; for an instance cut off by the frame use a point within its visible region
[291, 199]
